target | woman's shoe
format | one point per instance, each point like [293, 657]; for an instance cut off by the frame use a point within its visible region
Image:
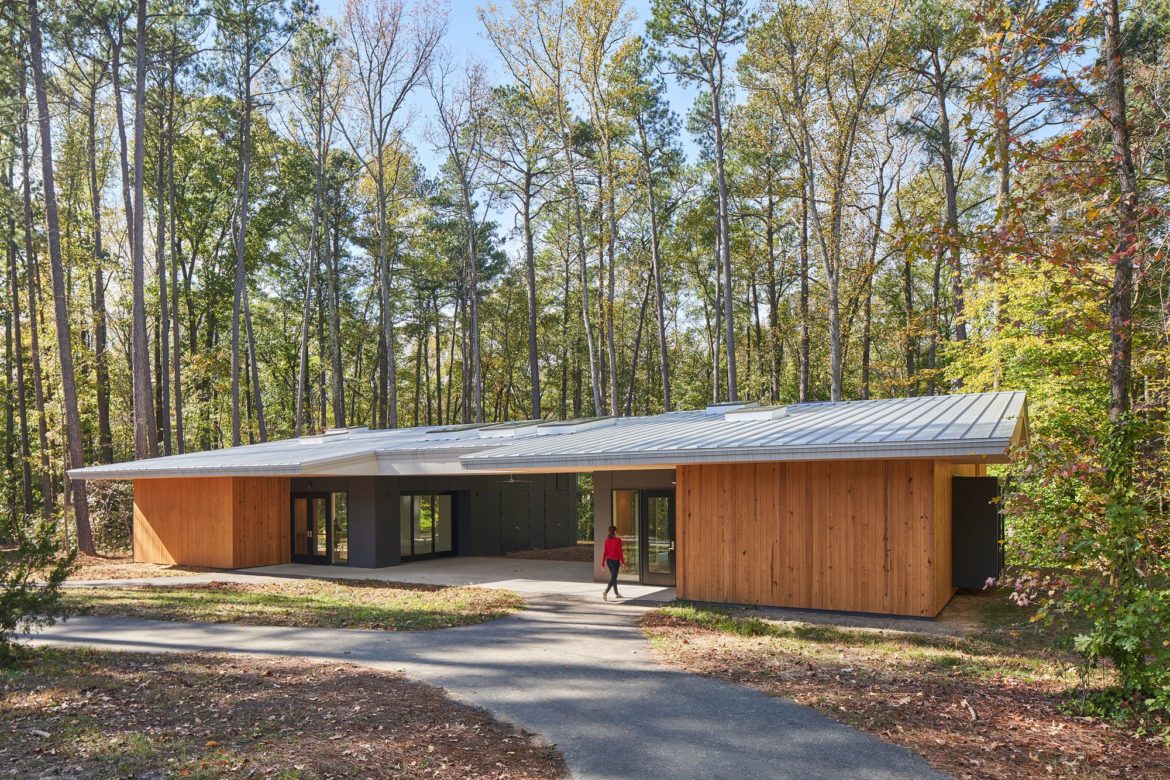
[605, 596]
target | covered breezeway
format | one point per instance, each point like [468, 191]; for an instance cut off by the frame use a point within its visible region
[529, 577]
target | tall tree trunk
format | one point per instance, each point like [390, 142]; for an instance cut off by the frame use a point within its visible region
[176, 247]
[386, 285]
[335, 332]
[908, 301]
[610, 293]
[774, 343]
[805, 338]
[310, 273]
[530, 270]
[32, 273]
[257, 396]
[18, 360]
[951, 191]
[579, 224]
[145, 435]
[656, 265]
[244, 181]
[64, 338]
[716, 84]
[164, 325]
[101, 359]
[1121, 292]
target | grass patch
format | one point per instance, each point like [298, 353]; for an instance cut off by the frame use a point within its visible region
[81, 713]
[987, 702]
[386, 606]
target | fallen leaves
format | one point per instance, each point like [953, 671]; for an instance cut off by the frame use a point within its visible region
[91, 714]
[986, 710]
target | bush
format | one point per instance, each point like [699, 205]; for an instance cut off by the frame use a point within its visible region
[111, 515]
[1108, 539]
[30, 581]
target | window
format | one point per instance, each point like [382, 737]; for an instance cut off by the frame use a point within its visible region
[626, 508]
[341, 528]
[426, 525]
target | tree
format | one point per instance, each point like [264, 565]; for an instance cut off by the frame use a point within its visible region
[533, 44]
[251, 33]
[315, 60]
[460, 104]
[520, 151]
[390, 53]
[701, 34]
[60, 302]
[641, 99]
[145, 433]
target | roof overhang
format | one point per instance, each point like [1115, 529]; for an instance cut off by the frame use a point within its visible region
[987, 451]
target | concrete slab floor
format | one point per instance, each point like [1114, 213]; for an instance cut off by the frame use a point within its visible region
[527, 576]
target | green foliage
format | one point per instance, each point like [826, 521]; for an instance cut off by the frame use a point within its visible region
[111, 508]
[31, 575]
[1107, 544]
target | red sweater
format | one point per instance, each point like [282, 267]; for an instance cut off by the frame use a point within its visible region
[613, 550]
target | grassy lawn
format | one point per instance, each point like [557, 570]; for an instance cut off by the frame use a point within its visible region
[387, 606]
[984, 704]
[80, 713]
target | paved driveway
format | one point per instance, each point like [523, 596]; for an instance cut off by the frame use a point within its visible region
[579, 673]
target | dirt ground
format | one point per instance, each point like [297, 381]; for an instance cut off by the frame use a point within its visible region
[581, 552]
[85, 714]
[986, 704]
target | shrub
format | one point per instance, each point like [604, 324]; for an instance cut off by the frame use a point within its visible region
[111, 515]
[31, 575]
[1108, 538]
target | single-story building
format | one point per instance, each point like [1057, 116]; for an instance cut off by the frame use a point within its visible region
[878, 506]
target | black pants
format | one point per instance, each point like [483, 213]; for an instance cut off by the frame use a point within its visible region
[614, 566]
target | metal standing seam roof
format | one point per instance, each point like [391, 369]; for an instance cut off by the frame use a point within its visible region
[981, 425]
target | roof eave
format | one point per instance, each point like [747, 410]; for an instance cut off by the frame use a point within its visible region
[988, 449]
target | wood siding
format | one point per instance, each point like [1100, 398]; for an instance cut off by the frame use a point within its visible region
[863, 536]
[220, 522]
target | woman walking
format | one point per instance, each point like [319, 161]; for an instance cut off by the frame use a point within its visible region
[613, 558]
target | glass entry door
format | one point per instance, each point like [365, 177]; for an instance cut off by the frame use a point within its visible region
[426, 525]
[312, 523]
[657, 535]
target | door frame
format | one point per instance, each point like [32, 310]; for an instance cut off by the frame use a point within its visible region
[646, 577]
[314, 558]
[454, 526]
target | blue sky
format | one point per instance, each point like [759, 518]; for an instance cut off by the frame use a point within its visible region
[465, 37]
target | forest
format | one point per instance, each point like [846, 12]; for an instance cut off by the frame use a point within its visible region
[229, 221]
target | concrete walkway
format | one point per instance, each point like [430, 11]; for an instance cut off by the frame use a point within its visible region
[577, 672]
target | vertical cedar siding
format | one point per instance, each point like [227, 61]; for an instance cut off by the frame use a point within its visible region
[220, 522]
[864, 536]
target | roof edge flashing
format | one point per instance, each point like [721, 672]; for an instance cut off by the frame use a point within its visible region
[559, 427]
[723, 407]
[753, 413]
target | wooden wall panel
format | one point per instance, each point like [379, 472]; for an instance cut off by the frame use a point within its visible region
[184, 521]
[865, 536]
[220, 522]
[941, 566]
[261, 521]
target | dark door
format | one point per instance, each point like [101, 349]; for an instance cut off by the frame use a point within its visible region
[657, 534]
[977, 532]
[312, 527]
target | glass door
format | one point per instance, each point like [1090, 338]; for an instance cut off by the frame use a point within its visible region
[657, 533]
[426, 525]
[312, 528]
